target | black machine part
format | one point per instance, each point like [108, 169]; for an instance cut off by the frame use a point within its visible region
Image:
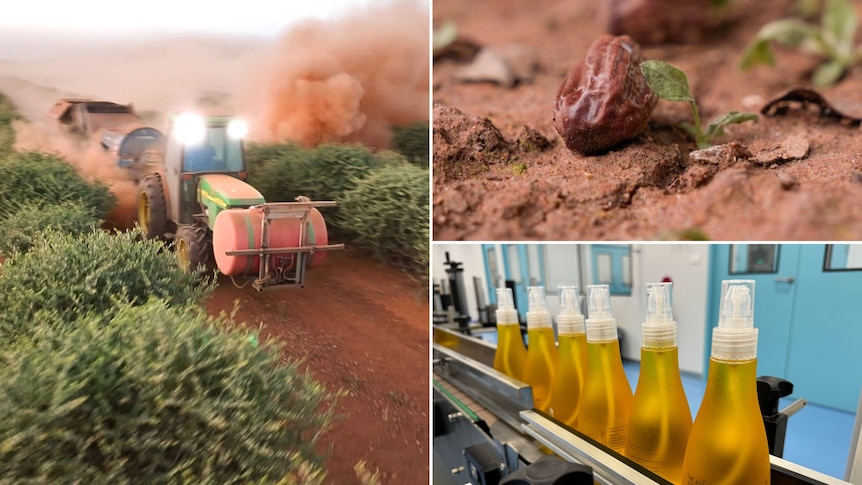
[550, 470]
[455, 271]
[769, 390]
[484, 464]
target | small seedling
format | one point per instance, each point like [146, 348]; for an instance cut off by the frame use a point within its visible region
[832, 39]
[670, 83]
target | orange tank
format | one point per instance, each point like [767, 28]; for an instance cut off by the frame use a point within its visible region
[238, 229]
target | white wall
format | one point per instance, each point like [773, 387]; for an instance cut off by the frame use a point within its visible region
[688, 267]
[474, 265]
[686, 264]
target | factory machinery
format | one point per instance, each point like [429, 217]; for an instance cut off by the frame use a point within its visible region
[486, 431]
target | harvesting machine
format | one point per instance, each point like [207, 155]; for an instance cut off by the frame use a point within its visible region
[192, 190]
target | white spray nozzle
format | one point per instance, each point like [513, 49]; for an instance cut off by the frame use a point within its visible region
[537, 313]
[659, 302]
[570, 320]
[601, 325]
[737, 304]
[506, 312]
[659, 329]
[735, 338]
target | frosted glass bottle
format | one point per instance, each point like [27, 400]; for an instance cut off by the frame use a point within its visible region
[728, 440]
[511, 355]
[541, 351]
[660, 420]
[572, 361]
[607, 397]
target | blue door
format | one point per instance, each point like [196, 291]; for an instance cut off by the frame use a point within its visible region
[523, 264]
[808, 309]
[773, 268]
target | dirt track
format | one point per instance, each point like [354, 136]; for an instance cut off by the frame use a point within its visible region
[361, 327]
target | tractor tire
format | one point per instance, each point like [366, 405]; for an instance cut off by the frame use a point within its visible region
[152, 207]
[193, 246]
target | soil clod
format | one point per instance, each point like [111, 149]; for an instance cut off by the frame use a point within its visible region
[794, 147]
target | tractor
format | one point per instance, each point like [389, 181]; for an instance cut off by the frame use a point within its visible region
[192, 190]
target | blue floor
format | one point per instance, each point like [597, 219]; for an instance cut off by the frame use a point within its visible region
[817, 437]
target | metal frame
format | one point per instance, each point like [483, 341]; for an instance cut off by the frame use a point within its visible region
[285, 210]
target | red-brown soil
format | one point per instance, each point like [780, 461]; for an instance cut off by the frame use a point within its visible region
[647, 188]
[361, 327]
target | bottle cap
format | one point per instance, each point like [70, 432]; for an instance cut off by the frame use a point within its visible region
[506, 313]
[735, 337]
[659, 329]
[601, 325]
[538, 315]
[570, 321]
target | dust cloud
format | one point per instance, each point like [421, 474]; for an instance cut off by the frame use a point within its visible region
[345, 80]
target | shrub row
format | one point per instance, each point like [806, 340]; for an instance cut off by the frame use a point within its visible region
[383, 198]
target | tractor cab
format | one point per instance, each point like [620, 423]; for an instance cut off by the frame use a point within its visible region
[198, 147]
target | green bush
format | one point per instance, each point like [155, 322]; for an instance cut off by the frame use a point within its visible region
[69, 277]
[36, 178]
[158, 394]
[413, 142]
[19, 231]
[388, 212]
[7, 133]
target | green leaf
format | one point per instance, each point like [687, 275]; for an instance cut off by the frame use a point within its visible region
[758, 52]
[789, 32]
[839, 20]
[716, 128]
[828, 74]
[667, 81]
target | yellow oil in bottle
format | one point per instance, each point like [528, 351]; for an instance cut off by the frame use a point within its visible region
[541, 362]
[728, 441]
[511, 355]
[541, 349]
[569, 378]
[660, 420]
[607, 397]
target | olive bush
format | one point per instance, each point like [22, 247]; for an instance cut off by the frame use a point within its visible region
[70, 276]
[19, 231]
[388, 212]
[157, 394]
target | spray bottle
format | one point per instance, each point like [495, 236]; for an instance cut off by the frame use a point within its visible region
[728, 440]
[607, 397]
[511, 355]
[541, 351]
[569, 375]
[660, 419]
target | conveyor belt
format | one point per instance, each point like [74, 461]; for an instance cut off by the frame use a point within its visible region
[467, 401]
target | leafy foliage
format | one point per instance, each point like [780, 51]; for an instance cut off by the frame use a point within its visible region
[388, 212]
[671, 83]
[7, 133]
[832, 39]
[413, 142]
[157, 394]
[69, 277]
[19, 231]
[36, 178]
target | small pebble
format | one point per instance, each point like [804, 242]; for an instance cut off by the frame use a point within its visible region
[788, 182]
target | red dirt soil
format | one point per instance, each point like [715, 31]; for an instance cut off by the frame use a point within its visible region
[361, 327]
[488, 189]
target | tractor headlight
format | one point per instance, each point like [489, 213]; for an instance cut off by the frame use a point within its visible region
[237, 129]
[190, 128]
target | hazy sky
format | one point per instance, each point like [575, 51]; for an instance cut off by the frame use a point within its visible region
[259, 17]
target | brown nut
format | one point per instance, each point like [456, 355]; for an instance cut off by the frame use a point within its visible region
[605, 100]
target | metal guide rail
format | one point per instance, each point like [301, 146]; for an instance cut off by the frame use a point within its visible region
[463, 366]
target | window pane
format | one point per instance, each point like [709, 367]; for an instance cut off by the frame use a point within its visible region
[626, 269]
[514, 263]
[843, 257]
[603, 268]
[753, 258]
[533, 265]
[491, 256]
